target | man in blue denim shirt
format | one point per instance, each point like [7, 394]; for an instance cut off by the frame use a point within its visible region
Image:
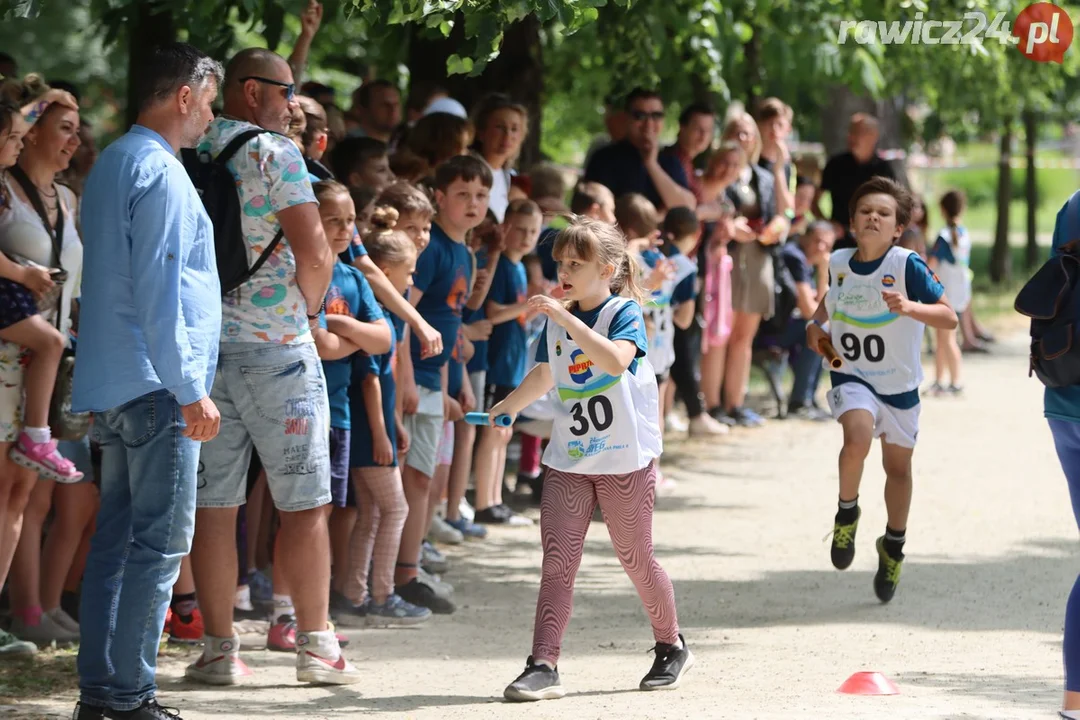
[148, 344]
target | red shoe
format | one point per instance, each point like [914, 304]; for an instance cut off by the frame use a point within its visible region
[282, 635]
[185, 633]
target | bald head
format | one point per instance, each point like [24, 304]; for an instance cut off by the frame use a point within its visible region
[863, 136]
[257, 83]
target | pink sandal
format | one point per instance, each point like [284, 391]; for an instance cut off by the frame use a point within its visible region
[44, 459]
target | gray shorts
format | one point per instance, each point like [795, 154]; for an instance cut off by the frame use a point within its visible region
[272, 397]
[478, 383]
[425, 430]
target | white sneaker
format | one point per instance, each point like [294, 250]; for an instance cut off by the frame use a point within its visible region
[704, 424]
[319, 660]
[47, 632]
[443, 589]
[466, 510]
[64, 620]
[675, 423]
[219, 663]
[441, 532]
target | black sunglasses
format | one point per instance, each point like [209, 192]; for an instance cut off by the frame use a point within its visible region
[290, 88]
[639, 115]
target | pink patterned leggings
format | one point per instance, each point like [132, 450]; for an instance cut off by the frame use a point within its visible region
[566, 510]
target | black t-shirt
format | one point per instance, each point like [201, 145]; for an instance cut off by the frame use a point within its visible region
[842, 177]
[619, 167]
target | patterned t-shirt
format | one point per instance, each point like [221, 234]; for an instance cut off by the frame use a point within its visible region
[270, 175]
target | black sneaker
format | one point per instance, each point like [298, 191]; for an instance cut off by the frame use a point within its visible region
[150, 710]
[418, 593]
[745, 417]
[672, 662]
[888, 572]
[721, 416]
[490, 516]
[538, 682]
[345, 613]
[87, 712]
[843, 541]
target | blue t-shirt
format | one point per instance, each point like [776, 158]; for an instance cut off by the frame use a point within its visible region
[349, 294]
[479, 361]
[685, 290]
[1062, 403]
[443, 274]
[924, 287]
[620, 168]
[942, 250]
[509, 340]
[453, 367]
[545, 248]
[795, 260]
[361, 451]
[349, 254]
[628, 324]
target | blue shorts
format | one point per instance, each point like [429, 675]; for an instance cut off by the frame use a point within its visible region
[340, 488]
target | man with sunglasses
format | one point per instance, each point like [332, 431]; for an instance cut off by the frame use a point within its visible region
[635, 165]
[269, 386]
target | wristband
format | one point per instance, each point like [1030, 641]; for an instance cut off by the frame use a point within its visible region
[36, 111]
[317, 314]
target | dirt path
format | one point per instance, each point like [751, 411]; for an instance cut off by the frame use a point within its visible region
[974, 631]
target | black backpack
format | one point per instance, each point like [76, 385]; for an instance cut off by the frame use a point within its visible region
[1051, 298]
[217, 188]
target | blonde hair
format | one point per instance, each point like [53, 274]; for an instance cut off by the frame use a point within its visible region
[385, 245]
[590, 240]
[731, 132]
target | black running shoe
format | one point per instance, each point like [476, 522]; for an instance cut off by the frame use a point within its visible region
[149, 710]
[538, 682]
[843, 541]
[888, 572]
[491, 516]
[672, 662]
[88, 712]
[418, 593]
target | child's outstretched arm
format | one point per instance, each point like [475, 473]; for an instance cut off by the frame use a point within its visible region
[613, 357]
[535, 385]
[938, 315]
[430, 338]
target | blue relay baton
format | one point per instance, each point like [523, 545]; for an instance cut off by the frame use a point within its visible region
[479, 418]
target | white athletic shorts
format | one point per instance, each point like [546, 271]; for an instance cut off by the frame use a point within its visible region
[895, 426]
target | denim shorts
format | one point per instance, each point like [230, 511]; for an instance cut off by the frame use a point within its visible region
[271, 397]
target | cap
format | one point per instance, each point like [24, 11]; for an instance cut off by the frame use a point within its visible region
[446, 105]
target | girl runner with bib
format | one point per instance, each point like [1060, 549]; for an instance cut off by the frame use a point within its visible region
[604, 444]
[880, 298]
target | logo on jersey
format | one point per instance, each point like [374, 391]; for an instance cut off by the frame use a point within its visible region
[558, 348]
[888, 281]
[840, 280]
[580, 367]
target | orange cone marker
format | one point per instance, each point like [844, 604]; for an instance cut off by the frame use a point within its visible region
[868, 683]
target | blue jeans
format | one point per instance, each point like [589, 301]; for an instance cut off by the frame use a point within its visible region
[144, 529]
[1067, 442]
[805, 364]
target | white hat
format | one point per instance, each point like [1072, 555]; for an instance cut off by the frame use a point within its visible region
[446, 105]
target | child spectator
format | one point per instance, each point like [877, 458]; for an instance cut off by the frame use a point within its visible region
[951, 260]
[362, 162]
[591, 200]
[507, 309]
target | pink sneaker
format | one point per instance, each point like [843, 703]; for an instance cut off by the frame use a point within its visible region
[43, 459]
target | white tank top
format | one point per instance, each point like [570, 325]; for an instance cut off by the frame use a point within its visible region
[22, 232]
[877, 346]
[603, 425]
[659, 312]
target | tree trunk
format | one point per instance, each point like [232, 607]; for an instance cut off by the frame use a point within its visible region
[836, 116]
[1031, 189]
[1000, 257]
[518, 71]
[152, 26]
[752, 53]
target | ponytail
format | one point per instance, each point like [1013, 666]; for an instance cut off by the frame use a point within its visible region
[625, 279]
[952, 205]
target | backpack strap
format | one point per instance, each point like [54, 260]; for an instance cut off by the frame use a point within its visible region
[1072, 226]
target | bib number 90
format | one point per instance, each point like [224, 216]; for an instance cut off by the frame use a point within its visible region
[872, 347]
[596, 411]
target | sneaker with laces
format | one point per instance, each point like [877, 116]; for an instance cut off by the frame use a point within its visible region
[442, 588]
[490, 516]
[671, 663]
[843, 542]
[282, 634]
[319, 660]
[185, 630]
[537, 682]
[745, 417]
[149, 710]
[888, 572]
[220, 662]
[44, 459]
[443, 532]
[675, 424]
[468, 529]
[13, 647]
[47, 632]
[514, 519]
[417, 593]
[347, 613]
[395, 612]
[64, 620]
[262, 586]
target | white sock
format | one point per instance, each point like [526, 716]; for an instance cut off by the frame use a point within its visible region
[39, 435]
[283, 605]
[243, 599]
[545, 663]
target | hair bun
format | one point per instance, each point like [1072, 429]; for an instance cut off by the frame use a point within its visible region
[384, 218]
